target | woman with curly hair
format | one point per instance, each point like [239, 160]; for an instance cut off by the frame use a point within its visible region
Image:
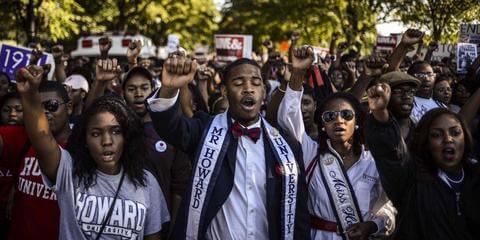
[102, 189]
[343, 183]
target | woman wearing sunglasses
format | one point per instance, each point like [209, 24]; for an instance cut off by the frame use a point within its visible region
[102, 189]
[433, 182]
[343, 182]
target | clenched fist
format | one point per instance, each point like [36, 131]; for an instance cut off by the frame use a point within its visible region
[178, 71]
[29, 78]
[302, 57]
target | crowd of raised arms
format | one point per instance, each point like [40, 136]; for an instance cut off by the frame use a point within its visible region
[344, 147]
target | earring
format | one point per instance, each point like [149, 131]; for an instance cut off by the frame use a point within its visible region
[356, 127]
[323, 129]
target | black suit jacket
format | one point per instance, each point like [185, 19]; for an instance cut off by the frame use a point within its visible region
[186, 134]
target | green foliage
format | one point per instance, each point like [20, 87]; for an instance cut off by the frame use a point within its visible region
[314, 20]
[440, 17]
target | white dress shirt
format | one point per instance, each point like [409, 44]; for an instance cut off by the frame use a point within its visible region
[244, 213]
[363, 174]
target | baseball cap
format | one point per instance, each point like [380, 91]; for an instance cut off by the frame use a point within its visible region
[137, 70]
[77, 81]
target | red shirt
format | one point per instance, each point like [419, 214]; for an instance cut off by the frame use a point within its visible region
[35, 213]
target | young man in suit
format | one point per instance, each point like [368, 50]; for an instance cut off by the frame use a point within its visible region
[248, 180]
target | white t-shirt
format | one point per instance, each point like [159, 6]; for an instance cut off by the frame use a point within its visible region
[138, 211]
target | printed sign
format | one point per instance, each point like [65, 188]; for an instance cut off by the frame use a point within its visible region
[385, 44]
[173, 43]
[14, 57]
[470, 33]
[232, 47]
[466, 54]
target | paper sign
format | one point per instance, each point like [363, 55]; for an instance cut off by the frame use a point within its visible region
[466, 54]
[232, 47]
[14, 57]
[173, 43]
[385, 44]
[470, 33]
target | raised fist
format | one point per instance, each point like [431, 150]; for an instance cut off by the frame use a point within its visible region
[134, 49]
[378, 97]
[104, 44]
[412, 36]
[374, 66]
[268, 44]
[36, 55]
[178, 71]
[302, 57]
[29, 78]
[57, 51]
[107, 69]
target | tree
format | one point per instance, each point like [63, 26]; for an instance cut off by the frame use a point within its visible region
[441, 17]
[38, 20]
[315, 20]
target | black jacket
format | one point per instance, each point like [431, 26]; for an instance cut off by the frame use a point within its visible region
[186, 133]
[427, 206]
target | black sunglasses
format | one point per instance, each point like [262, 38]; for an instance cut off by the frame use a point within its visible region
[51, 105]
[329, 116]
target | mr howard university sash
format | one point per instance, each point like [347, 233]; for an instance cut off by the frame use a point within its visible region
[339, 190]
[208, 165]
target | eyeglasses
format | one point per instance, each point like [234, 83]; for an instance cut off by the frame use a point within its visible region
[52, 105]
[330, 116]
[401, 91]
[424, 75]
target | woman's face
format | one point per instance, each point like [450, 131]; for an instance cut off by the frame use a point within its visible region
[339, 120]
[446, 142]
[105, 142]
[461, 94]
[442, 92]
[12, 112]
[337, 79]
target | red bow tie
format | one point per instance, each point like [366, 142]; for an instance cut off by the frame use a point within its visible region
[252, 133]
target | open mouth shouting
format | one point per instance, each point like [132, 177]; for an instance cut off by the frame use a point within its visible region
[248, 103]
[107, 156]
[448, 153]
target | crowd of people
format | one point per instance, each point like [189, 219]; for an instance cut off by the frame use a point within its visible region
[344, 147]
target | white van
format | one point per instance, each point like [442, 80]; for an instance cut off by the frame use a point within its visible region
[88, 45]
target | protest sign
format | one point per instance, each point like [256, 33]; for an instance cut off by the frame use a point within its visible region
[386, 44]
[466, 54]
[172, 43]
[470, 33]
[14, 57]
[230, 47]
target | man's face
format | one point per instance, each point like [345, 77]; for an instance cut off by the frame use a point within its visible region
[427, 78]
[77, 96]
[12, 112]
[308, 109]
[136, 90]
[245, 92]
[57, 111]
[401, 100]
